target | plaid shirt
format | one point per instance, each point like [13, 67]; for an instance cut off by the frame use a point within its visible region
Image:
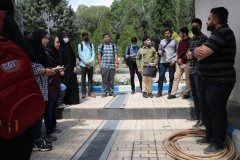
[42, 79]
[195, 42]
[108, 58]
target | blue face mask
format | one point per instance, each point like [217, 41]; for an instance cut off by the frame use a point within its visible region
[134, 45]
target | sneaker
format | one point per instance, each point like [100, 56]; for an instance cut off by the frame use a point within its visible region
[91, 95]
[52, 137]
[199, 124]
[212, 148]
[112, 94]
[159, 95]
[83, 96]
[42, 146]
[150, 95]
[171, 96]
[145, 95]
[57, 130]
[104, 95]
[132, 92]
[185, 96]
[203, 141]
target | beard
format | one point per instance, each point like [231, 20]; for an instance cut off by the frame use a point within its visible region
[211, 27]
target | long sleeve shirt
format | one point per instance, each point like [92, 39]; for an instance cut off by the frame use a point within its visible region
[86, 54]
[182, 49]
[195, 42]
[170, 49]
[133, 50]
[149, 56]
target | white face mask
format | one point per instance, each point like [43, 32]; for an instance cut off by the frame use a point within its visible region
[66, 40]
[149, 43]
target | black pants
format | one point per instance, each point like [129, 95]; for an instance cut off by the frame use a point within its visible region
[85, 71]
[195, 82]
[133, 69]
[19, 147]
[214, 97]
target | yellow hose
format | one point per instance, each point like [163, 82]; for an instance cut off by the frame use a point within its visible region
[172, 149]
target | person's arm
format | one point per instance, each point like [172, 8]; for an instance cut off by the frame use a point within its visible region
[80, 53]
[126, 54]
[160, 49]
[100, 55]
[203, 52]
[175, 49]
[93, 55]
[38, 70]
[155, 57]
[116, 60]
[138, 60]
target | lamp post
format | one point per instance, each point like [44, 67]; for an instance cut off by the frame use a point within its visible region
[46, 18]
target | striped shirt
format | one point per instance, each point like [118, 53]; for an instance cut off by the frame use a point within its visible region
[42, 79]
[219, 66]
[108, 58]
[195, 42]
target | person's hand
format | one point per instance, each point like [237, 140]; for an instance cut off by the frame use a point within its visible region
[59, 68]
[180, 62]
[163, 51]
[116, 65]
[62, 73]
[140, 71]
[75, 70]
[50, 72]
[87, 63]
[153, 64]
[89, 67]
[133, 55]
[198, 52]
[189, 55]
[172, 63]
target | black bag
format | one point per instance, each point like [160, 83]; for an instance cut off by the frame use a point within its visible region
[149, 71]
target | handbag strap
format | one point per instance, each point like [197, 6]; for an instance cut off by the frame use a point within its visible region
[142, 56]
[168, 43]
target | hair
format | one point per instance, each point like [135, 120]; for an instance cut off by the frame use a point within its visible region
[105, 34]
[197, 20]
[145, 38]
[26, 33]
[133, 39]
[7, 5]
[167, 29]
[184, 30]
[84, 34]
[221, 13]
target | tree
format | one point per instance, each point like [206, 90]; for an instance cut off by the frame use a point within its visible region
[183, 14]
[125, 39]
[163, 15]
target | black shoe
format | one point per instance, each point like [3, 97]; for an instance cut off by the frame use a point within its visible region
[199, 124]
[145, 95]
[150, 95]
[104, 95]
[132, 92]
[185, 96]
[42, 146]
[159, 95]
[171, 96]
[203, 141]
[112, 94]
[212, 148]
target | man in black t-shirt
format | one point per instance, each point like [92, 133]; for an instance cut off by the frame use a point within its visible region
[216, 68]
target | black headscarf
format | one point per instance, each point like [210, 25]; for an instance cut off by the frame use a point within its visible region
[7, 5]
[157, 42]
[53, 54]
[36, 44]
[62, 49]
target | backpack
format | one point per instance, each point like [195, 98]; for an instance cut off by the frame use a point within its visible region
[82, 50]
[128, 53]
[21, 100]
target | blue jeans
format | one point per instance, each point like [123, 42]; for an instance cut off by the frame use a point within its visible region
[38, 128]
[214, 97]
[50, 116]
[195, 82]
[63, 89]
[162, 71]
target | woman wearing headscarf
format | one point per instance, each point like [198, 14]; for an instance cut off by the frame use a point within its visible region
[38, 42]
[68, 59]
[53, 87]
[19, 147]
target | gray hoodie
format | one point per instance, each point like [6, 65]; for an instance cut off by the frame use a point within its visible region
[170, 49]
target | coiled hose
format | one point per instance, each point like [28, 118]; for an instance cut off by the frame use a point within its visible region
[173, 150]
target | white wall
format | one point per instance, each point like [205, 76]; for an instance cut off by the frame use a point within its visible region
[203, 8]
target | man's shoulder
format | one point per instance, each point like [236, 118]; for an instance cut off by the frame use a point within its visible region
[203, 36]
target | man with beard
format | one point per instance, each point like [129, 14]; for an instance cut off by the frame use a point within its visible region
[216, 68]
[86, 55]
[168, 51]
[198, 39]
[182, 64]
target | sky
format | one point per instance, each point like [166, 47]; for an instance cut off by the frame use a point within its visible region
[76, 3]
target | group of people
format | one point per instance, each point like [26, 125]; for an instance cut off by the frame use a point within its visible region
[207, 63]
